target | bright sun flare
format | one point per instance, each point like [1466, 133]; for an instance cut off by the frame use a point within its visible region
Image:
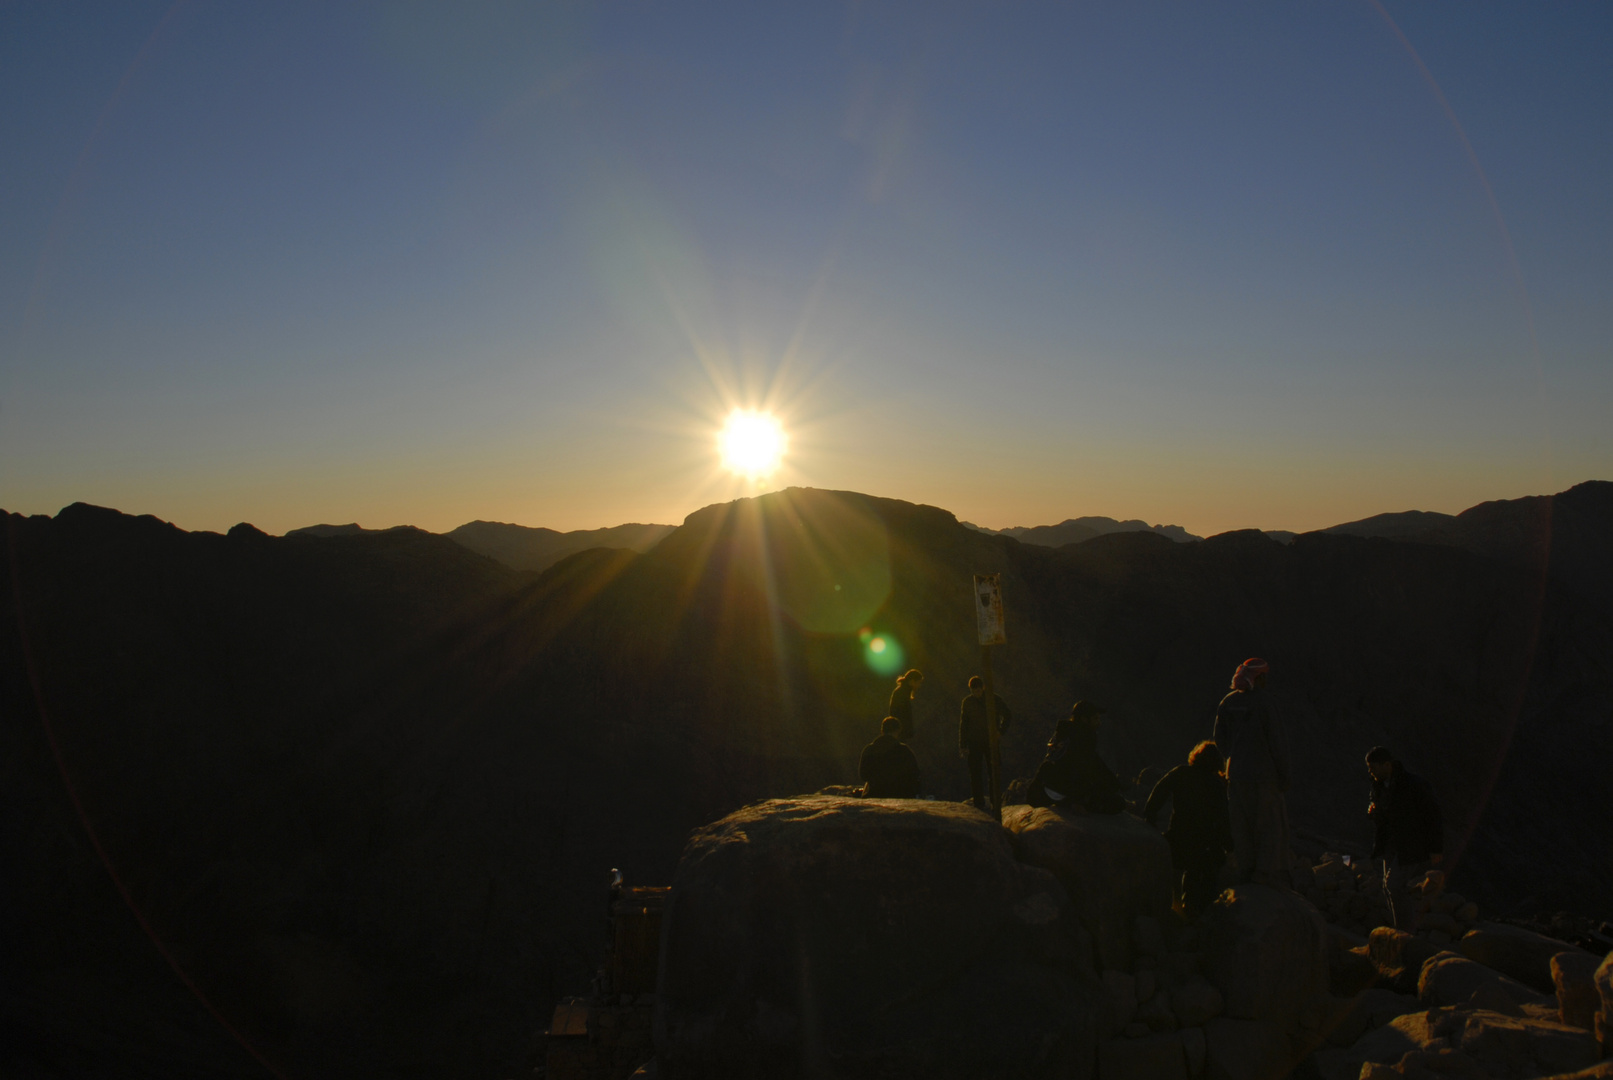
[751, 443]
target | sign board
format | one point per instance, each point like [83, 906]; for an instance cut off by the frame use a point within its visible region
[989, 609]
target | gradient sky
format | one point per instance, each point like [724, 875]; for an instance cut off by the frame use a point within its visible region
[1209, 264]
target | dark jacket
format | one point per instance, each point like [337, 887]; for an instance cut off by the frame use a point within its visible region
[1199, 817]
[1407, 820]
[1251, 739]
[1073, 770]
[901, 707]
[972, 734]
[889, 767]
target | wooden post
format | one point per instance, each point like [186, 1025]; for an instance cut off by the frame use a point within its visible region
[994, 759]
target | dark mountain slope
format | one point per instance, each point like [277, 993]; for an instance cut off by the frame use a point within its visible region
[1395, 526]
[524, 548]
[368, 786]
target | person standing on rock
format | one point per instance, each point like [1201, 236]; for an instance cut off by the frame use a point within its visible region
[1409, 832]
[974, 737]
[1256, 750]
[1200, 832]
[888, 767]
[1071, 773]
[901, 703]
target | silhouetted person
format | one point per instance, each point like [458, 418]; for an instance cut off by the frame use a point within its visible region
[1200, 832]
[1072, 773]
[1256, 749]
[901, 703]
[1410, 833]
[888, 766]
[974, 736]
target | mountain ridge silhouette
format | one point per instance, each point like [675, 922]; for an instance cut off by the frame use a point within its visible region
[367, 786]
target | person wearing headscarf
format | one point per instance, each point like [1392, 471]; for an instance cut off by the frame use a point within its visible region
[1255, 746]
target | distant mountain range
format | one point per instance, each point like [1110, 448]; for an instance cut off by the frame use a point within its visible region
[1081, 529]
[522, 547]
[1403, 525]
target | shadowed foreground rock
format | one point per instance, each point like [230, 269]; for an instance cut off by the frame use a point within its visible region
[1113, 866]
[1266, 949]
[853, 938]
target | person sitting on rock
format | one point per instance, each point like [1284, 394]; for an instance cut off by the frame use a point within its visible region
[1410, 833]
[1200, 832]
[1256, 750]
[974, 738]
[901, 703]
[1072, 774]
[888, 765]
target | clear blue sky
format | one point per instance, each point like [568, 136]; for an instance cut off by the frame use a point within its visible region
[1209, 264]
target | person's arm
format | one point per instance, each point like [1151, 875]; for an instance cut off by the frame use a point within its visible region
[862, 765]
[1157, 797]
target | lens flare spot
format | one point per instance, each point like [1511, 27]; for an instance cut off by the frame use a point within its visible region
[752, 444]
[883, 653]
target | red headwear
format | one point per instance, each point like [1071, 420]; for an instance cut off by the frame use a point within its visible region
[1244, 677]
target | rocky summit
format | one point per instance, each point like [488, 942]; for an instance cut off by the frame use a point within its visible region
[358, 795]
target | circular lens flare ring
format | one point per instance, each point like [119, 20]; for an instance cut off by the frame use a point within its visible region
[752, 443]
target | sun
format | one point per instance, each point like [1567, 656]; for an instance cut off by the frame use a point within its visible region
[752, 444]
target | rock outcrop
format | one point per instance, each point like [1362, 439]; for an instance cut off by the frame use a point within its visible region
[870, 937]
[1113, 867]
[1512, 950]
[1265, 949]
[1450, 979]
[1574, 975]
[1604, 1014]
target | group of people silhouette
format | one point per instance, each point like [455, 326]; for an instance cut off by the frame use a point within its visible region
[1229, 798]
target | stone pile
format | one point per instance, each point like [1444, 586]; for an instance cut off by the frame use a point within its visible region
[1350, 896]
[1468, 1019]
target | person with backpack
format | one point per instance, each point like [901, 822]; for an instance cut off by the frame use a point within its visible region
[1255, 746]
[1200, 832]
[974, 736]
[1409, 832]
[1071, 773]
[888, 767]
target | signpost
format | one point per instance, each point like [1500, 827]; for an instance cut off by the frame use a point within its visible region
[989, 624]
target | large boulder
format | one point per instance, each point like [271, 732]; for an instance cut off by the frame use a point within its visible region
[867, 937]
[1501, 1045]
[1398, 956]
[1113, 866]
[1450, 979]
[1265, 949]
[1153, 1057]
[1574, 974]
[1246, 1050]
[1372, 1008]
[1512, 950]
[1604, 1013]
